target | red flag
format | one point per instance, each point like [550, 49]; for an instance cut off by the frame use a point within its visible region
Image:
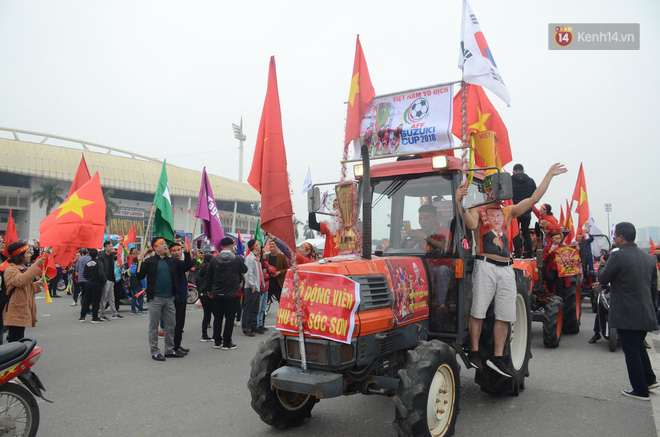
[562, 217]
[569, 225]
[269, 174]
[11, 235]
[49, 266]
[187, 242]
[130, 237]
[359, 96]
[81, 178]
[78, 222]
[482, 116]
[652, 245]
[580, 196]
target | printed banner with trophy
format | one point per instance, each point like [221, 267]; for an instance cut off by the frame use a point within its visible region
[568, 261]
[329, 303]
[410, 122]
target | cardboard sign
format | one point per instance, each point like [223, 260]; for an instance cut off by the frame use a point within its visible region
[329, 303]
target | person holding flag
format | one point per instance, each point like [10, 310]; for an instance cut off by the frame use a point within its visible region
[21, 310]
[162, 273]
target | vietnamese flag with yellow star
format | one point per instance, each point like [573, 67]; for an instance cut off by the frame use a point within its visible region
[77, 223]
[482, 116]
[359, 96]
[580, 196]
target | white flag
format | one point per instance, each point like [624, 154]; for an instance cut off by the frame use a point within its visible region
[307, 185]
[476, 59]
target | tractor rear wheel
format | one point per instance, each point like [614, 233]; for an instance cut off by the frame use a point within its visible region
[552, 322]
[517, 351]
[571, 310]
[427, 399]
[277, 408]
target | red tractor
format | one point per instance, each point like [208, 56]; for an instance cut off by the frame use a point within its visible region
[410, 326]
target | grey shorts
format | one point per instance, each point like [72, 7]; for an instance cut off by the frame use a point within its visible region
[493, 282]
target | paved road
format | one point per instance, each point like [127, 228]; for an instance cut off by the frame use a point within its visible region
[104, 383]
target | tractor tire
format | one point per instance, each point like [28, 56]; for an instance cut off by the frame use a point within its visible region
[612, 341]
[571, 311]
[552, 322]
[277, 408]
[517, 351]
[430, 382]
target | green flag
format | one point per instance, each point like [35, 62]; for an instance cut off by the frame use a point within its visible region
[164, 221]
[258, 235]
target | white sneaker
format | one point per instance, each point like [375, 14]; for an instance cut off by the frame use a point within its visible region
[74, 304]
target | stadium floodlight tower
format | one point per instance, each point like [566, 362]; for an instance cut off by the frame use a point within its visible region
[240, 136]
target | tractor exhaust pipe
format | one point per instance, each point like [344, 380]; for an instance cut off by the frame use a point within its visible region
[366, 203]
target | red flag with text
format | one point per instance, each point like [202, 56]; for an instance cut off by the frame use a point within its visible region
[359, 95]
[269, 170]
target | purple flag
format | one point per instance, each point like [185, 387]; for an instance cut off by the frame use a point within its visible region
[207, 211]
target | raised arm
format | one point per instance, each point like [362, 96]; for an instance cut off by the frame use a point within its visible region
[471, 216]
[527, 204]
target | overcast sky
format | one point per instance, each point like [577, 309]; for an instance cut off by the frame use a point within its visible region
[168, 78]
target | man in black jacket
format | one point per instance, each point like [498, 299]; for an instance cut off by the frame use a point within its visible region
[94, 274]
[108, 296]
[633, 280]
[223, 279]
[523, 187]
[162, 272]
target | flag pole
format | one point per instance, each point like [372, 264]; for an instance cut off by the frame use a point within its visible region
[144, 239]
[43, 276]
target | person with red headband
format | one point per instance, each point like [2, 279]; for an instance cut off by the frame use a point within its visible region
[162, 273]
[21, 310]
[306, 253]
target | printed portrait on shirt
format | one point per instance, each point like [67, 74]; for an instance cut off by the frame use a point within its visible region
[494, 231]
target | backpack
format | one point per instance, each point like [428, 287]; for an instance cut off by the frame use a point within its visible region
[88, 273]
[134, 282]
[4, 297]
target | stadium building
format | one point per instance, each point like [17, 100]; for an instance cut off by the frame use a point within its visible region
[28, 165]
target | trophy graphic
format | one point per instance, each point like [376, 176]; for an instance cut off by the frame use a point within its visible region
[348, 241]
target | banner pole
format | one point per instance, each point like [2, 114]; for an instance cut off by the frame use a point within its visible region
[144, 239]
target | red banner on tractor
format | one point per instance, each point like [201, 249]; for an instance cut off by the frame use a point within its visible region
[329, 303]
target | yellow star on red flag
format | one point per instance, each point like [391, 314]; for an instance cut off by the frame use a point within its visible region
[355, 88]
[480, 125]
[75, 205]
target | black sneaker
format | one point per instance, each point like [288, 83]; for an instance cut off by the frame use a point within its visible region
[205, 339]
[97, 321]
[475, 360]
[632, 394]
[229, 347]
[82, 319]
[104, 318]
[653, 385]
[498, 365]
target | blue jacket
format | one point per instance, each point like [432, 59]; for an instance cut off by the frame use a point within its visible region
[80, 267]
[133, 271]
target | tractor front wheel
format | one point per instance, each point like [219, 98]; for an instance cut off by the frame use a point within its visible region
[277, 408]
[552, 322]
[427, 399]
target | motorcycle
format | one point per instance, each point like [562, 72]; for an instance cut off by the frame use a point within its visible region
[19, 411]
[603, 317]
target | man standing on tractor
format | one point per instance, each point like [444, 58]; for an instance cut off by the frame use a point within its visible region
[523, 187]
[493, 276]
